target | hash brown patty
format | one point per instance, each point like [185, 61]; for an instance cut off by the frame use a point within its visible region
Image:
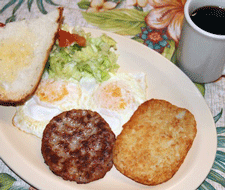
[77, 145]
[154, 142]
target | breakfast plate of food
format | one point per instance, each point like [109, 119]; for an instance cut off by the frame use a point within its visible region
[89, 109]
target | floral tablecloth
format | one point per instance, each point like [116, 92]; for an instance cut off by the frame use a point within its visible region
[154, 23]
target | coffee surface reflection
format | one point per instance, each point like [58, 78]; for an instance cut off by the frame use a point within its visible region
[210, 19]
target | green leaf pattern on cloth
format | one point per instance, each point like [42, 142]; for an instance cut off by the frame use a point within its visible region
[218, 116]
[6, 181]
[219, 165]
[7, 5]
[220, 130]
[29, 5]
[215, 176]
[206, 186]
[201, 88]
[168, 51]
[84, 4]
[120, 21]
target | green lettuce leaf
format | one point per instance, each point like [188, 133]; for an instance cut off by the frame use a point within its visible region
[98, 59]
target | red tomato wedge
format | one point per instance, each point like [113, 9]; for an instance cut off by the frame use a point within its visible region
[2, 25]
[66, 39]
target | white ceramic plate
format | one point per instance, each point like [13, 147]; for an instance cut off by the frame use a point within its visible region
[165, 81]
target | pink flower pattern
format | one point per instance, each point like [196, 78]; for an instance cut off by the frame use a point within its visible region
[167, 13]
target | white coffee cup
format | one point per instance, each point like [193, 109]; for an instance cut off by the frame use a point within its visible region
[200, 54]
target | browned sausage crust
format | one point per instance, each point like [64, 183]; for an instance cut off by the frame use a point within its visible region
[77, 145]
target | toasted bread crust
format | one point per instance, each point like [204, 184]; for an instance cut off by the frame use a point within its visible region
[154, 142]
[5, 100]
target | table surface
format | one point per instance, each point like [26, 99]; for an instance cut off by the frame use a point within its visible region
[141, 24]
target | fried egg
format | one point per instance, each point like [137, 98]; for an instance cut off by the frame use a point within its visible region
[115, 100]
[51, 98]
[118, 98]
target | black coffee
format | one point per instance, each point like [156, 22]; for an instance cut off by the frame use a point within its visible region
[210, 19]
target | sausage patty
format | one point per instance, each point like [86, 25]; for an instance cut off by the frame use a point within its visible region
[77, 145]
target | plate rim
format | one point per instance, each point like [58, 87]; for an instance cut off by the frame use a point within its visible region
[9, 161]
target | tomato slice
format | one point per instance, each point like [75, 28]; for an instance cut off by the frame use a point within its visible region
[2, 25]
[66, 39]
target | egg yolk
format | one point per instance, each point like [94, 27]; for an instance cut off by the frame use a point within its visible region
[50, 91]
[115, 97]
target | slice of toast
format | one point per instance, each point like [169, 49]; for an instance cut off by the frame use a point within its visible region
[24, 49]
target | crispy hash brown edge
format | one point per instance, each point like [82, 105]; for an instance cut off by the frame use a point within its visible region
[124, 160]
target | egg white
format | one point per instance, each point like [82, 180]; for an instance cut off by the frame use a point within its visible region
[55, 96]
[117, 98]
[51, 98]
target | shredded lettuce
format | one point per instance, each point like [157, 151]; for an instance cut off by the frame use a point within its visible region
[97, 59]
